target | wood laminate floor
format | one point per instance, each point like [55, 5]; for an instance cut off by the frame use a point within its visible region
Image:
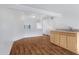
[40, 45]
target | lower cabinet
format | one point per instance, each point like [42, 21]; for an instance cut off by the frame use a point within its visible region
[56, 38]
[67, 40]
[52, 37]
[63, 40]
[72, 42]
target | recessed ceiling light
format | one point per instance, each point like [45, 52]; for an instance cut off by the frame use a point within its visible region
[33, 16]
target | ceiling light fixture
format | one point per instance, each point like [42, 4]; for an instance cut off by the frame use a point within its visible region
[33, 16]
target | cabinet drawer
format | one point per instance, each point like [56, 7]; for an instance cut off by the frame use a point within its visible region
[63, 33]
[71, 34]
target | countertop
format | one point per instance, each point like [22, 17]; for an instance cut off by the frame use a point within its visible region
[66, 30]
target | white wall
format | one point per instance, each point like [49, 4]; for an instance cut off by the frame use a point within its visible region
[32, 21]
[70, 12]
[12, 25]
[74, 23]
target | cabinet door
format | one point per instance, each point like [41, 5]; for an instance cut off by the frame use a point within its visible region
[52, 37]
[63, 39]
[72, 42]
[56, 38]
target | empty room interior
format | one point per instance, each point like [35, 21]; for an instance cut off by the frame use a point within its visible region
[39, 29]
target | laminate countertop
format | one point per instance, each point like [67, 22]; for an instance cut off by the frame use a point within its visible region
[66, 30]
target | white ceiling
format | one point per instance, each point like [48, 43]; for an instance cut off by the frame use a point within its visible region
[30, 10]
[70, 11]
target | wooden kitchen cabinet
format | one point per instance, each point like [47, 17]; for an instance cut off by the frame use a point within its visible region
[54, 38]
[63, 40]
[72, 42]
[67, 40]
